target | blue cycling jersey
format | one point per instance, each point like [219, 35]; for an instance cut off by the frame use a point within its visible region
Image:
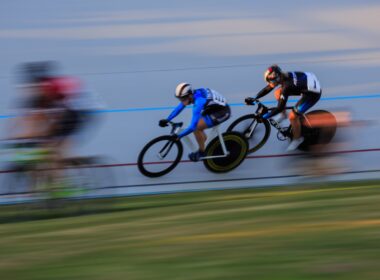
[202, 98]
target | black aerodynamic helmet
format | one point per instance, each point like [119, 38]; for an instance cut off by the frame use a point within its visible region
[273, 74]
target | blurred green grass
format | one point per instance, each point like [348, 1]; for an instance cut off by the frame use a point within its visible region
[324, 231]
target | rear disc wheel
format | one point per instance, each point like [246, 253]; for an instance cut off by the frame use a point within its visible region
[237, 148]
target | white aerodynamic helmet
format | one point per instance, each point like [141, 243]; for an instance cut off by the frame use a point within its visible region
[183, 90]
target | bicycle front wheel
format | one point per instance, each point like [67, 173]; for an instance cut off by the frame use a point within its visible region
[237, 148]
[159, 156]
[256, 133]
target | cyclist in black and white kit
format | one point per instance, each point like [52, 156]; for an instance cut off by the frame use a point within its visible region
[210, 109]
[304, 84]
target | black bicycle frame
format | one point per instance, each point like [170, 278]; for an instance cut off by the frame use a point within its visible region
[283, 130]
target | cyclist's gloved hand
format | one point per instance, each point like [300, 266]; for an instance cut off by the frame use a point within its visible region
[163, 122]
[174, 137]
[249, 100]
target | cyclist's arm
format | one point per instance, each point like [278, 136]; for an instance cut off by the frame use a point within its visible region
[176, 111]
[280, 105]
[197, 114]
[264, 91]
[30, 124]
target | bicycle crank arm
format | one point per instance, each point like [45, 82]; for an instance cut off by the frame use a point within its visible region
[220, 156]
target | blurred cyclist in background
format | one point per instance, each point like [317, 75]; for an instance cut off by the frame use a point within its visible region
[304, 84]
[54, 106]
[210, 109]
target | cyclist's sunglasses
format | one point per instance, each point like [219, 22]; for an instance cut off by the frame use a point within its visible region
[184, 97]
[273, 79]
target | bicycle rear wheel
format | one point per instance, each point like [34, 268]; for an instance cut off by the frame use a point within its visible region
[237, 148]
[260, 131]
[160, 156]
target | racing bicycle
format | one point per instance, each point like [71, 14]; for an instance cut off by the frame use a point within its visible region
[30, 170]
[161, 155]
[318, 127]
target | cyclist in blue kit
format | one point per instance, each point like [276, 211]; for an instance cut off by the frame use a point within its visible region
[210, 109]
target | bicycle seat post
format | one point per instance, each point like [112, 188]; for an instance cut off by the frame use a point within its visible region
[304, 118]
[225, 152]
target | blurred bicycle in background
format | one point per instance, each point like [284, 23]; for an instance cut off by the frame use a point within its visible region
[30, 170]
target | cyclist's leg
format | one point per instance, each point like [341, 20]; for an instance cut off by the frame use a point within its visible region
[201, 138]
[32, 125]
[200, 135]
[208, 121]
[218, 116]
[69, 124]
[296, 124]
[61, 139]
[307, 101]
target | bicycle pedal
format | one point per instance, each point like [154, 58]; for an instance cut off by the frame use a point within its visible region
[281, 136]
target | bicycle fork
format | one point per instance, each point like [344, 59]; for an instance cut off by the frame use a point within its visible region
[165, 150]
[251, 129]
[168, 146]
